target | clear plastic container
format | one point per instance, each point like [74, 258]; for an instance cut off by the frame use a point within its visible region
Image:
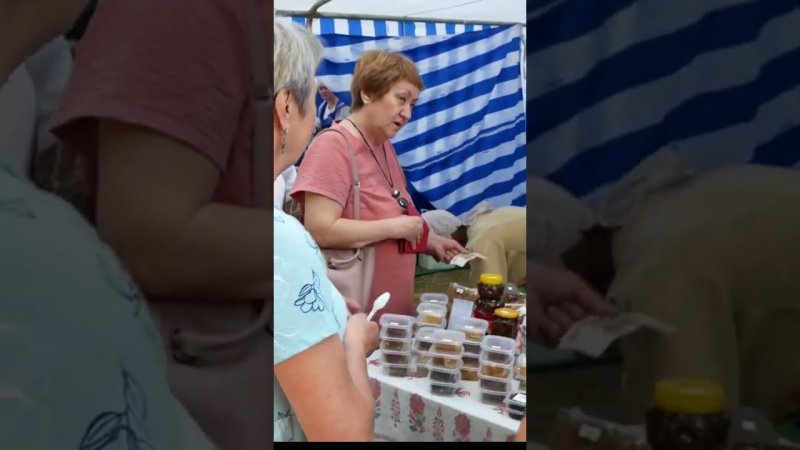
[496, 370]
[516, 405]
[495, 384]
[396, 370]
[431, 297]
[397, 326]
[441, 375]
[447, 348]
[440, 388]
[520, 368]
[472, 348]
[422, 370]
[445, 361]
[474, 329]
[419, 325]
[423, 339]
[493, 398]
[432, 314]
[471, 361]
[396, 357]
[423, 358]
[447, 342]
[498, 349]
[469, 374]
[395, 345]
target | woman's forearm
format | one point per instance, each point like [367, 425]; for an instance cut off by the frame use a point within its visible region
[357, 365]
[221, 252]
[348, 233]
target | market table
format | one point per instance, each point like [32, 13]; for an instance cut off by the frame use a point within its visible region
[406, 411]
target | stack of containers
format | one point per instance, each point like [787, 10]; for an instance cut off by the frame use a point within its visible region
[437, 298]
[431, 315]
[396, 339]
[445, 363]
[423, 340]
[474, 331]
[496, 368]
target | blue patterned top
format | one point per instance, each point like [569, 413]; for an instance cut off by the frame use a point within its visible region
[308, 308]
[83, 367]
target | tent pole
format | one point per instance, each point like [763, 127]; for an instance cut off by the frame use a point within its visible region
[314, 14]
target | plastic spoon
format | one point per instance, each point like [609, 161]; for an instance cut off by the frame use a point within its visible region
[380, 302]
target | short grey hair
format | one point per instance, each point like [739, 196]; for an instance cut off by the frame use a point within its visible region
[297, 55]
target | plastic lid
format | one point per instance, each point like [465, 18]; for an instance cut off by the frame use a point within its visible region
[491, 278]
[498, 344]
[486, 362]
[406, 334]
[689, 396]
[454, 385]
[473, 324]
[432, 297]
[444, 336]
[434, 368]
[432, 307]
[506, 380]
[425, 334]
[396, 321]
[506, 313]
[518, 399]
[420, 323]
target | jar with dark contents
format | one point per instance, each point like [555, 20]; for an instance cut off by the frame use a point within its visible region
[504, 323]
[510, 293]
[490, 292]
[687, 414]
[490, 286]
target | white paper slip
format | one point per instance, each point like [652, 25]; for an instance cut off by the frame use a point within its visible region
[593, 335]
[462, 259]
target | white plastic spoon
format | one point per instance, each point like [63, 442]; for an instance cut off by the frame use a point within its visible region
[380, 302]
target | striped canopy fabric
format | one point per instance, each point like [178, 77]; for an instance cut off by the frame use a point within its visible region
[612, 82]
[465, 142]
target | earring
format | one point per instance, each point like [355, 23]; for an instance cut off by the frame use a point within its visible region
[283, 140]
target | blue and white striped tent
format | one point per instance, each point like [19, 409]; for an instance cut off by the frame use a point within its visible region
[612, 82]
[466, 139]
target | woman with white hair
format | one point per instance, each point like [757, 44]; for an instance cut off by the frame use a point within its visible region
[322, 391]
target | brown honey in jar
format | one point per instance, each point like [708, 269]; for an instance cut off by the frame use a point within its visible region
[490, 292]
[504, 323]
[687, 414]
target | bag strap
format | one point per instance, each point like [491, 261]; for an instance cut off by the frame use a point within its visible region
[354, 169]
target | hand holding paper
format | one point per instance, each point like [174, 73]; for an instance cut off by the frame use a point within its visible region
[593, 335]
[462, 259]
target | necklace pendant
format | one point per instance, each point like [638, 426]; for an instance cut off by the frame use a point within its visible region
[395, 193]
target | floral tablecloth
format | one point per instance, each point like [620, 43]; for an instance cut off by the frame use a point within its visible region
[405, 410]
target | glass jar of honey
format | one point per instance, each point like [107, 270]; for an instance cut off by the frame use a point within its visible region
[687, 414]
[490, 291]
[504, 323]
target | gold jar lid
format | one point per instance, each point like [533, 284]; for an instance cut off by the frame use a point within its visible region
[491, 278]
[506, 313]
[689, 396]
